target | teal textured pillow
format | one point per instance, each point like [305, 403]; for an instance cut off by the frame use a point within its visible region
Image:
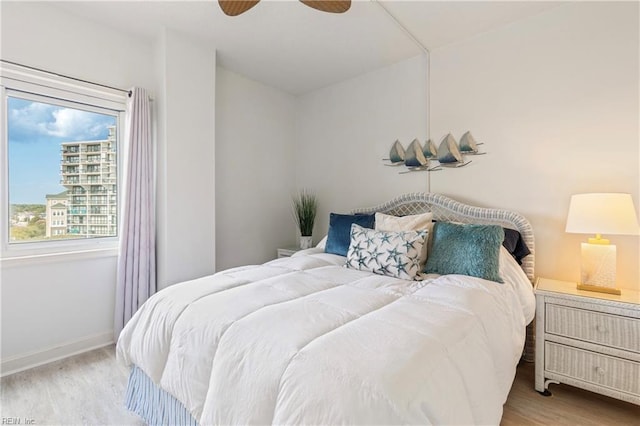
[472, 250]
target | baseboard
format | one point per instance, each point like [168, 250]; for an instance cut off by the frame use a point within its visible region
[29, 360]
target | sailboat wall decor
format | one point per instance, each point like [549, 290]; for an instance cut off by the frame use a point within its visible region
[468, 145]
[415, 160]
[430, 151]
[449, 153]
[396, 154]
[414, 157]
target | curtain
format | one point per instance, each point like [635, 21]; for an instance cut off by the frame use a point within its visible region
[136, 279]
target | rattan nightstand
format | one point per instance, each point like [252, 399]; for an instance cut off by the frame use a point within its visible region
[588, 340]
[287, 252]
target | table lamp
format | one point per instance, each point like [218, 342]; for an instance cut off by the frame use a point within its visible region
[603, 213]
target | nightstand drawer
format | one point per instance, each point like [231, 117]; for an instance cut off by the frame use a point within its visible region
[287, 252]
[602, 370]
[596, 327]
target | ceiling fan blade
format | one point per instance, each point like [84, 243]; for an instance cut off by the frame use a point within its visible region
[236, 7]
[332, 6]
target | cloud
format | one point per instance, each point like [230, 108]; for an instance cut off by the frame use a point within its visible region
[75, 124]
[30, 121]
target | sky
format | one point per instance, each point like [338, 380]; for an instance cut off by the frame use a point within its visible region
[35, 131]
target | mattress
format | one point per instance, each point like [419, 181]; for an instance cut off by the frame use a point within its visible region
[306, 340]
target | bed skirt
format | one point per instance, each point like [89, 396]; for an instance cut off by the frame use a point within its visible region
[154, 405]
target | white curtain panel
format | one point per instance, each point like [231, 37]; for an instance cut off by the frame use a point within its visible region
[137, 255]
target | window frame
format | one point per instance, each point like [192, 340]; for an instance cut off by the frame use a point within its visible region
[39, 86]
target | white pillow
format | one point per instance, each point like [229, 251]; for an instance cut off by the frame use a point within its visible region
[512, 274]
[414, 222]
[322, 243]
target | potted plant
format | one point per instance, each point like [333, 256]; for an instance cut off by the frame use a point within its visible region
[305, 207]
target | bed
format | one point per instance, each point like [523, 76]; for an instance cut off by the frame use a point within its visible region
[306, 340]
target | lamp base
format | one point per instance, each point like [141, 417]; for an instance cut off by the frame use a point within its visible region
[599, 289]
[598, 266]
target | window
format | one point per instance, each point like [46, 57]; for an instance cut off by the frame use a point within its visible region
[60, 159]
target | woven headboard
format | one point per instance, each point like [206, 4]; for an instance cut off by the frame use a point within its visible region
[445, 208]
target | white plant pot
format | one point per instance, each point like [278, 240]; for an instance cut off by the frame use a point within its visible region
[306, 242]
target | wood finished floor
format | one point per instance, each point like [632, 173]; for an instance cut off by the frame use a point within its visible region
[566, 406]
[89, 389]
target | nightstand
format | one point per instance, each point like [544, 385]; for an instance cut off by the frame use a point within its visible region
[588, 340]
[287, 252]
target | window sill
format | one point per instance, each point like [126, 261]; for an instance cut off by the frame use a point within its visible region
[39, 259]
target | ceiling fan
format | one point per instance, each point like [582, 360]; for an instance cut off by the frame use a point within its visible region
[236, 7]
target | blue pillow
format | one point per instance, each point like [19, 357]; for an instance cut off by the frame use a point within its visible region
[339, 234]
[466, 249]
[515, 245]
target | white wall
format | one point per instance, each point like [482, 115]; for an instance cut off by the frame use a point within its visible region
[345, 130]
[186, 178]
[56, 307]
[255, 170]
[44, 36]
[61, 306]
[555, 99]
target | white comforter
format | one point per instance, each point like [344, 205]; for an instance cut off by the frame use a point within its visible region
[305, 340]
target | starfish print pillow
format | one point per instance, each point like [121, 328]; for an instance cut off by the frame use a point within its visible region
[395, 254]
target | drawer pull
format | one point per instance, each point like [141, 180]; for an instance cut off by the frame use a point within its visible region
[600, 371]
[601, 328]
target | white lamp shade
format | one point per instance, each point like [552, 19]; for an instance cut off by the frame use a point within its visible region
[602, 213]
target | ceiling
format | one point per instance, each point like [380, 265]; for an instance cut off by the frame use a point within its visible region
[298, 49]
